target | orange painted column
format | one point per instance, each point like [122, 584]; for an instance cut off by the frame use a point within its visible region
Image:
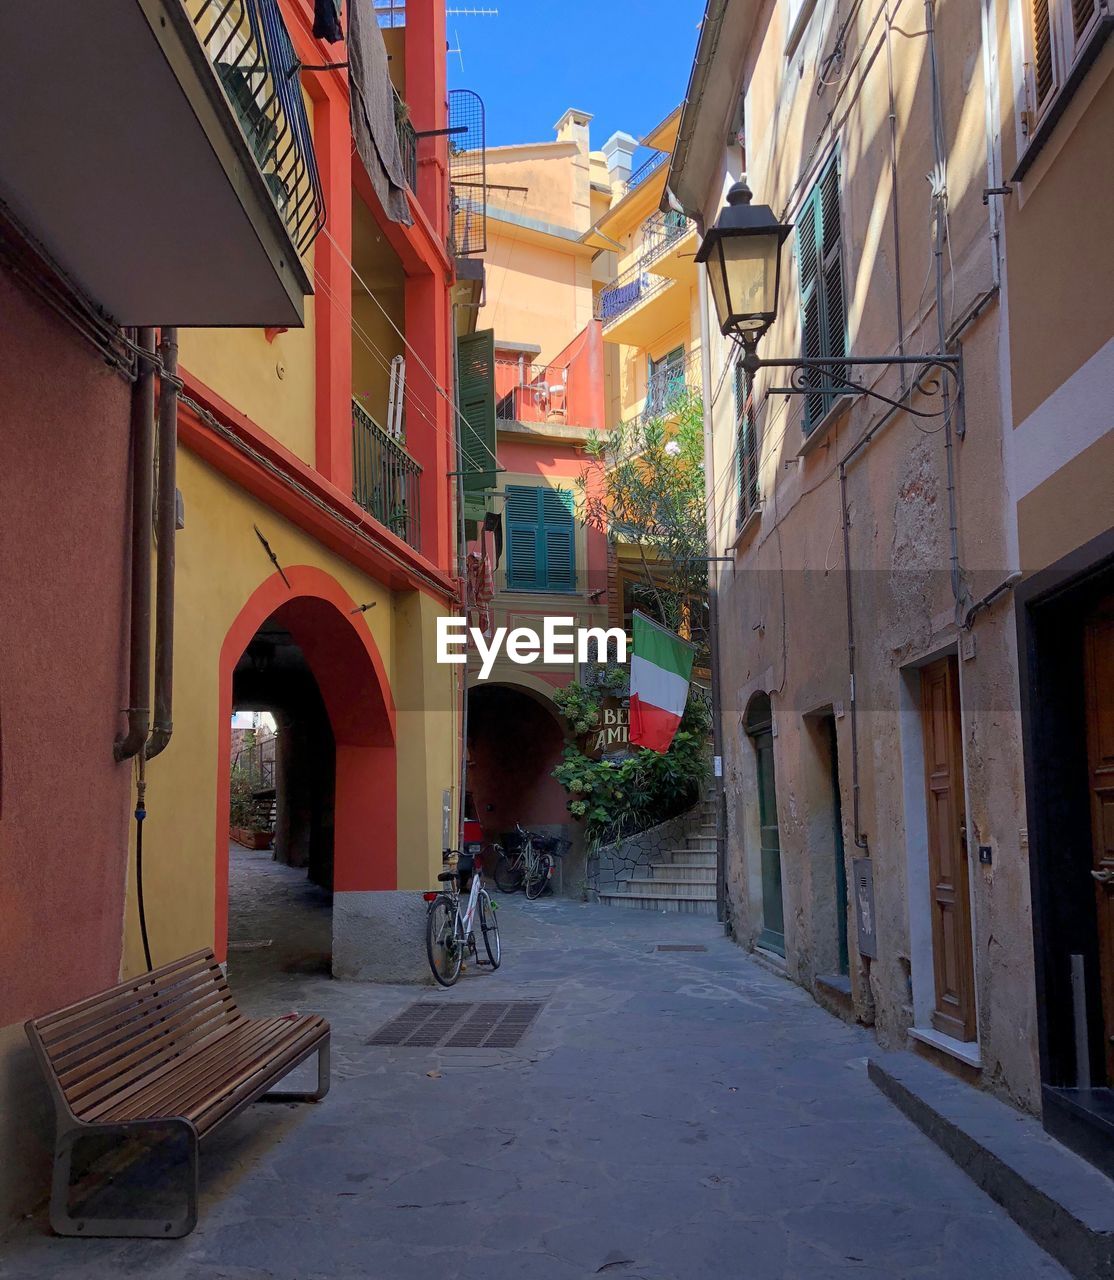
[332, 282]
[427, 90]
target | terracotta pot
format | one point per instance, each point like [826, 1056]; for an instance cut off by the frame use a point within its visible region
[252, 839]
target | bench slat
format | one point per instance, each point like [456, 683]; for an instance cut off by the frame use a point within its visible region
[91, 1021]
[144, 1059]
[167, 975]
[200, 1084]
[136, 1023]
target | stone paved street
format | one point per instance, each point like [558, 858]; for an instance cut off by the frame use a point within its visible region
[671, 1116]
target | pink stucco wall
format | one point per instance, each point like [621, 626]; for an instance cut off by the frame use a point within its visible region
[64, 802]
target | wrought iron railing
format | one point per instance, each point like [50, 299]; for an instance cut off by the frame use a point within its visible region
[660, 232]
[407, 141]
[250, 50]
[627, 290]
[669, 388]
[643, 171]
[386, 480]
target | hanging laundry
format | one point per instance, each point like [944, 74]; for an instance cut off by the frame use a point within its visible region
[326, 20]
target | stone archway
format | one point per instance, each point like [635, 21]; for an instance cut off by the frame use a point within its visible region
[345, 662]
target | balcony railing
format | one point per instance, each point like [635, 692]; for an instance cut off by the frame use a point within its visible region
[250, 50]
[386, 481]
[660, 232]
[631, 287]
[670, 388]
[407, 141]
[531, 392]
[643, 171]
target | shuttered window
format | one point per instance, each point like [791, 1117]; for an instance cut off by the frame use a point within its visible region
[820, 264]
[476, 378]
[746, 445]
[1059, 30]
[541, 539]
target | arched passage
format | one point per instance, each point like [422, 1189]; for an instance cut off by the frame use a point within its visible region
[515, 740]
[341, 654]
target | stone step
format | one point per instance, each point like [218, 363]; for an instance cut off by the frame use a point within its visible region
[683, 906]
[702, 842]
[661, 888]
[689, 871]
[702, 857]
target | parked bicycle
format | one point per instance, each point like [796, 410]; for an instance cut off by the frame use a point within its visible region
[451, 919]
[530, 864]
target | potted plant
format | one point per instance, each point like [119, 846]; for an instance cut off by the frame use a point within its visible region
[248, 818]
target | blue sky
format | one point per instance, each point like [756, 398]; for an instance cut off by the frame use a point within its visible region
[625, 61]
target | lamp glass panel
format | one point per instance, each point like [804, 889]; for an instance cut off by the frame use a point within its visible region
[718, 284]
[750, 267]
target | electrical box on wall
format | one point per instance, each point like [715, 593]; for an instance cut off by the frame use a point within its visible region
[864, 907]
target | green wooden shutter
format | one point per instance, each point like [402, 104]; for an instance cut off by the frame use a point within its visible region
[541, 539]
[823, 313]
[559, 530]
[520, 524]
[476, 394]
[746, 447]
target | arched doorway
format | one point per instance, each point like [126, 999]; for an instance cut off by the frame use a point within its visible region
[759, 724]
[315, 662]
[515, 740]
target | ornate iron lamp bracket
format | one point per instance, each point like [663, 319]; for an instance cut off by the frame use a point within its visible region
[933, 376]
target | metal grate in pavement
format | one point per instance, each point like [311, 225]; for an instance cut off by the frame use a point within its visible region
[681, 946]
[484, 1024]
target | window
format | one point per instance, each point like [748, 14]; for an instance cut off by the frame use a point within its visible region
[541, 541]
[1059, 32]
[746, 445]
[820, 264]
[665, 381]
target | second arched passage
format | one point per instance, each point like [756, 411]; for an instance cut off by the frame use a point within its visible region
[516, 738]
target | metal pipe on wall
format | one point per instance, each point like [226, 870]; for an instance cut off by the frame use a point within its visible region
[138, 712]
[166, 523]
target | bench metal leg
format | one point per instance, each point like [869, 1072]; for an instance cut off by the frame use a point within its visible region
[306, 1095]
[65, 1223]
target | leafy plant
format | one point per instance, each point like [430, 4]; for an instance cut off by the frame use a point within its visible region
[617, 798]
[644, 486]
[244, 810]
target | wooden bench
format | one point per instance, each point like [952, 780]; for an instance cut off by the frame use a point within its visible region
[166, 1052]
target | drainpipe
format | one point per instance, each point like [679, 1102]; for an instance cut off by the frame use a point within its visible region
[139, 645]
[166, 523]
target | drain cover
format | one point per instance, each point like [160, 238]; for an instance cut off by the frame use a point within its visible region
[681, 946]
[485, 1024]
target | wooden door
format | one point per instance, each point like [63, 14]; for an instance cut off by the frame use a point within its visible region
[1098, 676]
[952, 953]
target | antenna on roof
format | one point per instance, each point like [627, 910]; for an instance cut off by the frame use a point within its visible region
[458, 50]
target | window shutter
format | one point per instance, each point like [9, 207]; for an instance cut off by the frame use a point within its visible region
[1044, 67]
[520, 519]
[823, 314]
[1082, 12]
[559, 540]
[476, 374]
[746, 446]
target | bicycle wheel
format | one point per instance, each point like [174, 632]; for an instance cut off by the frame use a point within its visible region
[489, 927]
[536, 883]
[445, 952]
[508, 874]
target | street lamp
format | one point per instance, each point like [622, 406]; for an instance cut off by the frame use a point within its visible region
[742, 254]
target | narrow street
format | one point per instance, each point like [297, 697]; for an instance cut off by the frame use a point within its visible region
[670, 1115]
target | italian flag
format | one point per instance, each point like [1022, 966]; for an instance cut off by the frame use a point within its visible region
[659, 684]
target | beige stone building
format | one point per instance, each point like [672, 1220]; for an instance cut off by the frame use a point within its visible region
[882, 562]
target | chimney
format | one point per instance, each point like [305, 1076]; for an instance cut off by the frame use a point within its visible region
[619, 151]
[573, 127]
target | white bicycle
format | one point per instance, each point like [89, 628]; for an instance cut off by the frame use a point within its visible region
[450, 930]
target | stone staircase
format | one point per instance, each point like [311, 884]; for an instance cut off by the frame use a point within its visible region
[677, 879]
